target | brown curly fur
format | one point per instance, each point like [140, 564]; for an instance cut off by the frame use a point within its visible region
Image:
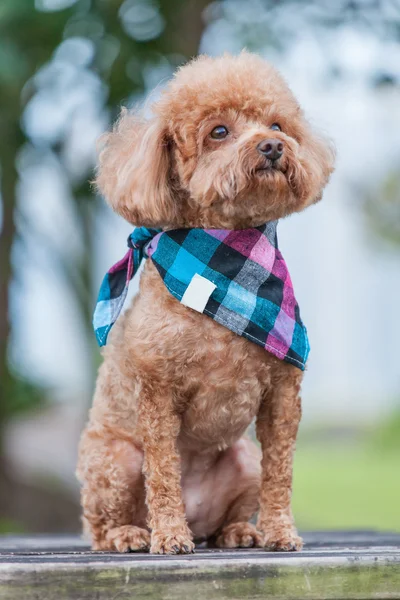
[162, 460]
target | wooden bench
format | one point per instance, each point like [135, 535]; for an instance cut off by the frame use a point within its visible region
[356, 565]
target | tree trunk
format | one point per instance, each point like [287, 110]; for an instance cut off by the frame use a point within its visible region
[189, 27]
[9, 178]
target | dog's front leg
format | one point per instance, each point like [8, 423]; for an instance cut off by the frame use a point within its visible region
[277, 425]
[160, 426]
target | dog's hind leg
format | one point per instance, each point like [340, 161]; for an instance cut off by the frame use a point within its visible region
[114, 511]
[221, 494]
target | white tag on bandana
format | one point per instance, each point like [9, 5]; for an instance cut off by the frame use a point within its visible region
[198, 293]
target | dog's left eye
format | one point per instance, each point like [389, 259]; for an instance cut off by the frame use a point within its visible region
[219, 133]
[276, 127]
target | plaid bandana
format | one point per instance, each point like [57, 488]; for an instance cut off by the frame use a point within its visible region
[238, 278]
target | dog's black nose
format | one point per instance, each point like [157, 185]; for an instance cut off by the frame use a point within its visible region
[272, 149]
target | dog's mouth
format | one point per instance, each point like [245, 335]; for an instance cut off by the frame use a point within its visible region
[269, 167]
[265, 170]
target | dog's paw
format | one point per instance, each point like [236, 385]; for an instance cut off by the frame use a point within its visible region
[127, 538]
[239, 535]
[171, 543]
[281, 540]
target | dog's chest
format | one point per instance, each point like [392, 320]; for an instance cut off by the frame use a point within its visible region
[225, 384]
[220, 416]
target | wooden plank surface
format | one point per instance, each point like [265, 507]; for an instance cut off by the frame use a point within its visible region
[348, 565]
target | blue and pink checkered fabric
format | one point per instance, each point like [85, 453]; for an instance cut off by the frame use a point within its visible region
[253, 296]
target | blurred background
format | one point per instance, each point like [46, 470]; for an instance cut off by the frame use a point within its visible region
[66, 67]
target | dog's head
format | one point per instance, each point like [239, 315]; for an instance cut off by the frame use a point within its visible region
[228, 147]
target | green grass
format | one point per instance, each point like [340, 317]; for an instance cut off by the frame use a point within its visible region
[10, 526]
[346, 488]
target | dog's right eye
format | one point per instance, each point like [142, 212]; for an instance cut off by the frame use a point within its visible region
[219, 133]
[276, 127]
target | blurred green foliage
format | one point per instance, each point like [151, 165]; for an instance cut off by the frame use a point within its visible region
[21, 395]
[349, 481]
[386, 438]
[10, 526]
[382, 208]
[346, 488]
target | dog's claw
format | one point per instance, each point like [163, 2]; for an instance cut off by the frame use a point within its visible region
[166, 545]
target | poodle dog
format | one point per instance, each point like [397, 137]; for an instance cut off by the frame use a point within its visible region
[164, 460]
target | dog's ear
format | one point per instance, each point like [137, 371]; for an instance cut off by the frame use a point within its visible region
[133, 171]
[316, 163]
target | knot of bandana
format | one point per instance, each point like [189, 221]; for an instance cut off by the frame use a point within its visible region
[238, 278]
